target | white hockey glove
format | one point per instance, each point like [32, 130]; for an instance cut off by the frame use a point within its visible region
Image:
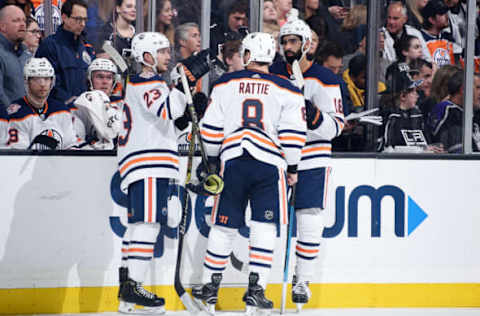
[105, 117]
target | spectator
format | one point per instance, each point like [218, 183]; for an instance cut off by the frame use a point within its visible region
[310, 8]
[355, 77]
[319, 33]
[228, 60]
[446, 118]
[25, 5]
[396, 27]
[414, 7]
[270, 16]
[40, 14]
[35, 123]
[439, 43]
[120, 29]
[422, 71]
[333, 16]
[68, 53]
[235, 28]
[457, 17]
[188, 40]
[13, 54]
[404, 125]
[407, 49]
[164, 24]
[32, 36]
[102, 76]
[439, 90]
[283, 7]
[356, 16]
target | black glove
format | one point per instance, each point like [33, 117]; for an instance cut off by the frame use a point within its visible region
[213, 164]
[195, 67]
[314, 116]
[200, 103]
[47, 142]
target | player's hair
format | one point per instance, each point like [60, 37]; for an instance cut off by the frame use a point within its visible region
[329, 49]
[357, 65]
[67, 7]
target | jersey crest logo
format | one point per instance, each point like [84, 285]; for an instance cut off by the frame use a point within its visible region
[441, 57]
[13, 108]
[50, 133]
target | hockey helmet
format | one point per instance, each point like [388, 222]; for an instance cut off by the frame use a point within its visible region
[261, 47]
[102, 64]
[38, 67]
[148, 42]
[295, 26]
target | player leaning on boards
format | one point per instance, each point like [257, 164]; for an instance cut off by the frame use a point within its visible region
[36, 123]
[325, 121]
[148, 160]
[254, 123]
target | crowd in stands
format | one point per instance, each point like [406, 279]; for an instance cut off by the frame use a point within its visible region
[420, 62]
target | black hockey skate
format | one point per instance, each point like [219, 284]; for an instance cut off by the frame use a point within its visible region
[255, 297]
[122, 279]
[133, 294]
[206, 295]
[300, 293]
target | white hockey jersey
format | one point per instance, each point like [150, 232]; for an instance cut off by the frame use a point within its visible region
[26, 123]
[147, 146]
[257, 112]
[322, 88]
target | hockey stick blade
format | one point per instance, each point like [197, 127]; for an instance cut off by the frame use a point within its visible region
[115, 55]
[238, 264]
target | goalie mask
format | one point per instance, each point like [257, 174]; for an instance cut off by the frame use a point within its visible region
[148, 42]
[295, 26]
[105, 117]
[102, 64]
[38, 68]
[261, 47]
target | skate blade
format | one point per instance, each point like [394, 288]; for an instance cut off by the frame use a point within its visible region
[208, 308]
[130, 308]
[255, 311]
[299, 307]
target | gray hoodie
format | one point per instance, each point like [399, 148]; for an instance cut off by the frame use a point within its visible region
[11, 71]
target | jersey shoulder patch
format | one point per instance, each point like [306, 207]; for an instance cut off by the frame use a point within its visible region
[13, 108]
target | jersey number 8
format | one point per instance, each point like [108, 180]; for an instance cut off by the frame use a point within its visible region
[252, 113]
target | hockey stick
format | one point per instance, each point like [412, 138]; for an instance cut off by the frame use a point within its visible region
[115, 55]
[291, 210]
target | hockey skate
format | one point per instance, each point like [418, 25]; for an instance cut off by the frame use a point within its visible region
[132, 293]
[300, 293]
[257, 303]
[206, 296]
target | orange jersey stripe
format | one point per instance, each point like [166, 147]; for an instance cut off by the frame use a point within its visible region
[140, 250]
[215, 261]
[306, 250]
[261, 257]
[262, 140]
[300, 139]
[216, 135]
[323, 148]
[138, 160]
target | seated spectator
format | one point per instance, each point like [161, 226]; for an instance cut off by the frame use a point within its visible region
[102, 76]
[13, 53]
[404, 125]
[283, 7]
[32, 36]
[422, 70]
[235, 28]
[355, 78]
[25, 5]
[439, 89]
[68, 53]
[35, 123]
[396, 27]
[414, 7]
[119, 30]
[270, 17]
[310, 8]
[457, 18]
[317, 25]
[333, 14]
[188, 40]
[407, 49]
[440, 44]
[446, 118]
[164, 23]
[229, 60]
[356, 16]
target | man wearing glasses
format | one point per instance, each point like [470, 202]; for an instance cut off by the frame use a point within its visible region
[68, 52]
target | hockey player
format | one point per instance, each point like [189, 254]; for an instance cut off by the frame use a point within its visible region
[35, 123]
[325, 121]
[3, 127]
[254, 123]
[148, 160]
[97, 112]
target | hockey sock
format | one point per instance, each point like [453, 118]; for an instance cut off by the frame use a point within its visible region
[220, 243]
[262, 243]
[309, 231]
[125, 245]
[140, 251]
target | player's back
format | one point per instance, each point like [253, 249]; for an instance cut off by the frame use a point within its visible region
[256, 110]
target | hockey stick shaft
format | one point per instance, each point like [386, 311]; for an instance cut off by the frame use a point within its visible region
[291, 210]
